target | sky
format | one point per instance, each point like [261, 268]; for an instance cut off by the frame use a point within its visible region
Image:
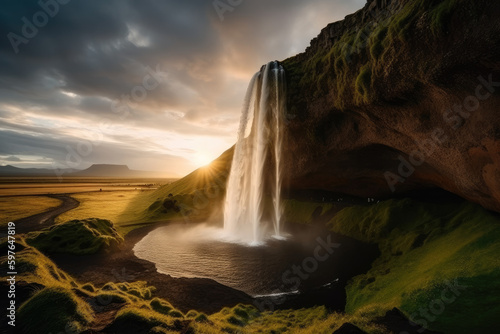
[156, 85]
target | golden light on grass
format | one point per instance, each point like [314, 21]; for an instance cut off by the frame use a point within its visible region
[14, 208]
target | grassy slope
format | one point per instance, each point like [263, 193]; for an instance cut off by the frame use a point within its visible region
[425, 246]
[197, 195]
[299, 212]
[14, 208]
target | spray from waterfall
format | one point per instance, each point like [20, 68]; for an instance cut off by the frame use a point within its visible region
[253, 209]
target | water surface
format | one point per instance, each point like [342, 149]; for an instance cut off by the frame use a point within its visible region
[276, 266]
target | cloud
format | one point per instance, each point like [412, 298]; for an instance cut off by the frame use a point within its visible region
[93, 54]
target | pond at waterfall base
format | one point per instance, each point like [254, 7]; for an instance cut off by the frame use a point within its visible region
[308, 258]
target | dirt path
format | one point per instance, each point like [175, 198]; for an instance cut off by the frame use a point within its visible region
[46, 219]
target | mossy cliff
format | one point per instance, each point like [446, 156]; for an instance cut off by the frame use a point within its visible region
[400, 95]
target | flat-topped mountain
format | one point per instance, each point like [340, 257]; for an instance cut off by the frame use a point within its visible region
[106, 170]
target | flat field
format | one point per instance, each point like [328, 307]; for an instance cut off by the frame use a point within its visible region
[106, 198]
[14, 208]
[15, 186]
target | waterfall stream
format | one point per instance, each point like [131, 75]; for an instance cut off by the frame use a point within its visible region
[253, 209]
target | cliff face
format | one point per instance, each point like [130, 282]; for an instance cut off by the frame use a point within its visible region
[401, 95]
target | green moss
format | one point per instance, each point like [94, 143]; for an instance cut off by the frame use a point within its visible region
[192, 314]
[109, 298]
[202, 317]
[423, 247]
[441, 15]
[300, 212]
[88, 287]
[364, 83]
[241, 312]
[176, 314]
[86, 236]
[136, 320]
[110, 286]
[350, 69]
[53, 310]
[24, 265]
[138, 289]
[160, 306]
[377, 46]
[234, 320]
[135, 292]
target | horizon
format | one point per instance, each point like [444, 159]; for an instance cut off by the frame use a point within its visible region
[157, 85]
[68, 173]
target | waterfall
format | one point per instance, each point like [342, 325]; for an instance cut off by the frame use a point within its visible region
[253, 209]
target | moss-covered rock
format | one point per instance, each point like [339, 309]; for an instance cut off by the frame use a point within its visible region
[54, 310]
[140, 320]
[378, 87]
[86, 236]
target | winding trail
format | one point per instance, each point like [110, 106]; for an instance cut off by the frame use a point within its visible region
[46, 219]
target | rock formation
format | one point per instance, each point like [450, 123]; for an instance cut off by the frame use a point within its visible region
[400, 95]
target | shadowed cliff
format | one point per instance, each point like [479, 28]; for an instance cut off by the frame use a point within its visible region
[401, 95]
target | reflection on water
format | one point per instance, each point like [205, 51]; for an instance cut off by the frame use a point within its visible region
[207, 252]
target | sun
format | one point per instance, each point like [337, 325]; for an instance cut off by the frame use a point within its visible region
[202, 159]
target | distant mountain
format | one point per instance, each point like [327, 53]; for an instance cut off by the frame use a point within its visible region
[15, 171]
[105, 170]
[96, 170]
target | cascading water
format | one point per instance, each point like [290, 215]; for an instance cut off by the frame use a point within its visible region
[252, 209]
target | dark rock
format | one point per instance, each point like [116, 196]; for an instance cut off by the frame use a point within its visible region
[419, 101]
[396, 322]
[171, 205]
[348, 328]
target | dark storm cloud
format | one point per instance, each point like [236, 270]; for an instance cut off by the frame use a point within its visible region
[92, 54]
